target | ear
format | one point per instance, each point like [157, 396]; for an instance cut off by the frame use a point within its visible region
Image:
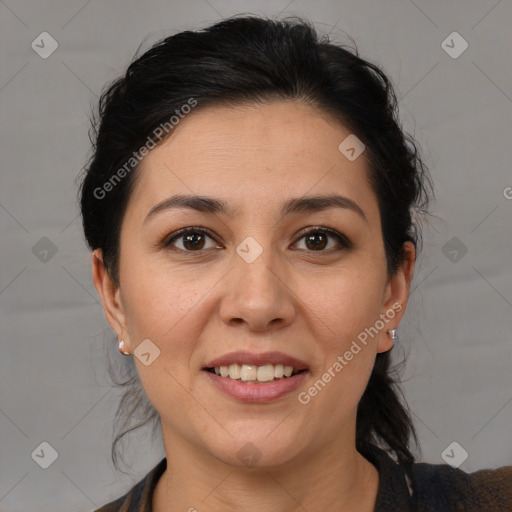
[110, 297]
[396, 296]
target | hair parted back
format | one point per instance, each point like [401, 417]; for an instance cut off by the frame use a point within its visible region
[248, 60]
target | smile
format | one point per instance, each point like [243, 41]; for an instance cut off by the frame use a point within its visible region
[253, 373]
[256, 377]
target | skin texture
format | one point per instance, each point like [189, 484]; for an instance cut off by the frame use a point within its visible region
[309, 303]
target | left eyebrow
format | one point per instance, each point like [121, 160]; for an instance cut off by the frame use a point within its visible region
[199, 203]
[213, 205]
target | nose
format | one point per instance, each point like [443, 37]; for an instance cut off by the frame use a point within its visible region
[258, 294]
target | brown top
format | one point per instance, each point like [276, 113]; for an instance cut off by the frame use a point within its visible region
[421, 487]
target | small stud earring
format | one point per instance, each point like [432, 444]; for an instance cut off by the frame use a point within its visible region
[122, 349]
[394, 335]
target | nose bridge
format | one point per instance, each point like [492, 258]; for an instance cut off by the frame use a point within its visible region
[254, 262]
[255, 293]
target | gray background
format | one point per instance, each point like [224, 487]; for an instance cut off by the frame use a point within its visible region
[457, 328]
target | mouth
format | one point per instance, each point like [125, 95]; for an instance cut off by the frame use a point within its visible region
[250, 373]
[249, 377]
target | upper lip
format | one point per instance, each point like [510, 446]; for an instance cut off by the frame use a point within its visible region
[242, 357]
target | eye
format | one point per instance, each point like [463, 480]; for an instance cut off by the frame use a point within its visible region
[192, 239]
[317, 239]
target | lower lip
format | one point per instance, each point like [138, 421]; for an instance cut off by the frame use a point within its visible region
[257, 393]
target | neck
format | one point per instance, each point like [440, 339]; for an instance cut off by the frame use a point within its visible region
[331, 479]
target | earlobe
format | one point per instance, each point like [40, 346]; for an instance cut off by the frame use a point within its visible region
[385, 343]
[109, 294]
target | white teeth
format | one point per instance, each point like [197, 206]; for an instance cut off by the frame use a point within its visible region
[265, 373]
[249, 372]
[234, 371]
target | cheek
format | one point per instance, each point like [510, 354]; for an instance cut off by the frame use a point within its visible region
[164, 307]
[347, 307]
[158, 303]
[345, 302]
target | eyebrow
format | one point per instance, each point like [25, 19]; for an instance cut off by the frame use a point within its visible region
[213, 205]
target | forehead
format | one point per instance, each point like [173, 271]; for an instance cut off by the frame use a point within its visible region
[280, 129]
[254, 153]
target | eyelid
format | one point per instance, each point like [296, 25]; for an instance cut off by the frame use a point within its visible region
[343, 240]
[342, 243]
[180, 232]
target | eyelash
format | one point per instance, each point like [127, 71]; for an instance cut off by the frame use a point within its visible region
[344, 242]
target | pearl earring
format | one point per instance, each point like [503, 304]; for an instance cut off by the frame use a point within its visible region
[394, 335]
[122, 349]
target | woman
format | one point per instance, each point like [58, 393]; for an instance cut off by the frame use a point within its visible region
[250, 207]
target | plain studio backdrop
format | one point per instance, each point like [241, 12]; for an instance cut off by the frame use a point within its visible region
[450, 64]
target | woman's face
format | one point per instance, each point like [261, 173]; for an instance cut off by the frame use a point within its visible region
[254, 282]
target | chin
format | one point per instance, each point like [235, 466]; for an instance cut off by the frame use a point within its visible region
[256, 451]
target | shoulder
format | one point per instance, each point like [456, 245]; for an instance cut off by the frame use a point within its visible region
[424, 487]
[138, 498]
[116, 505]
[440, 487]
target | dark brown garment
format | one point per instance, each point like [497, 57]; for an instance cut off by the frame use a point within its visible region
[421, 487]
